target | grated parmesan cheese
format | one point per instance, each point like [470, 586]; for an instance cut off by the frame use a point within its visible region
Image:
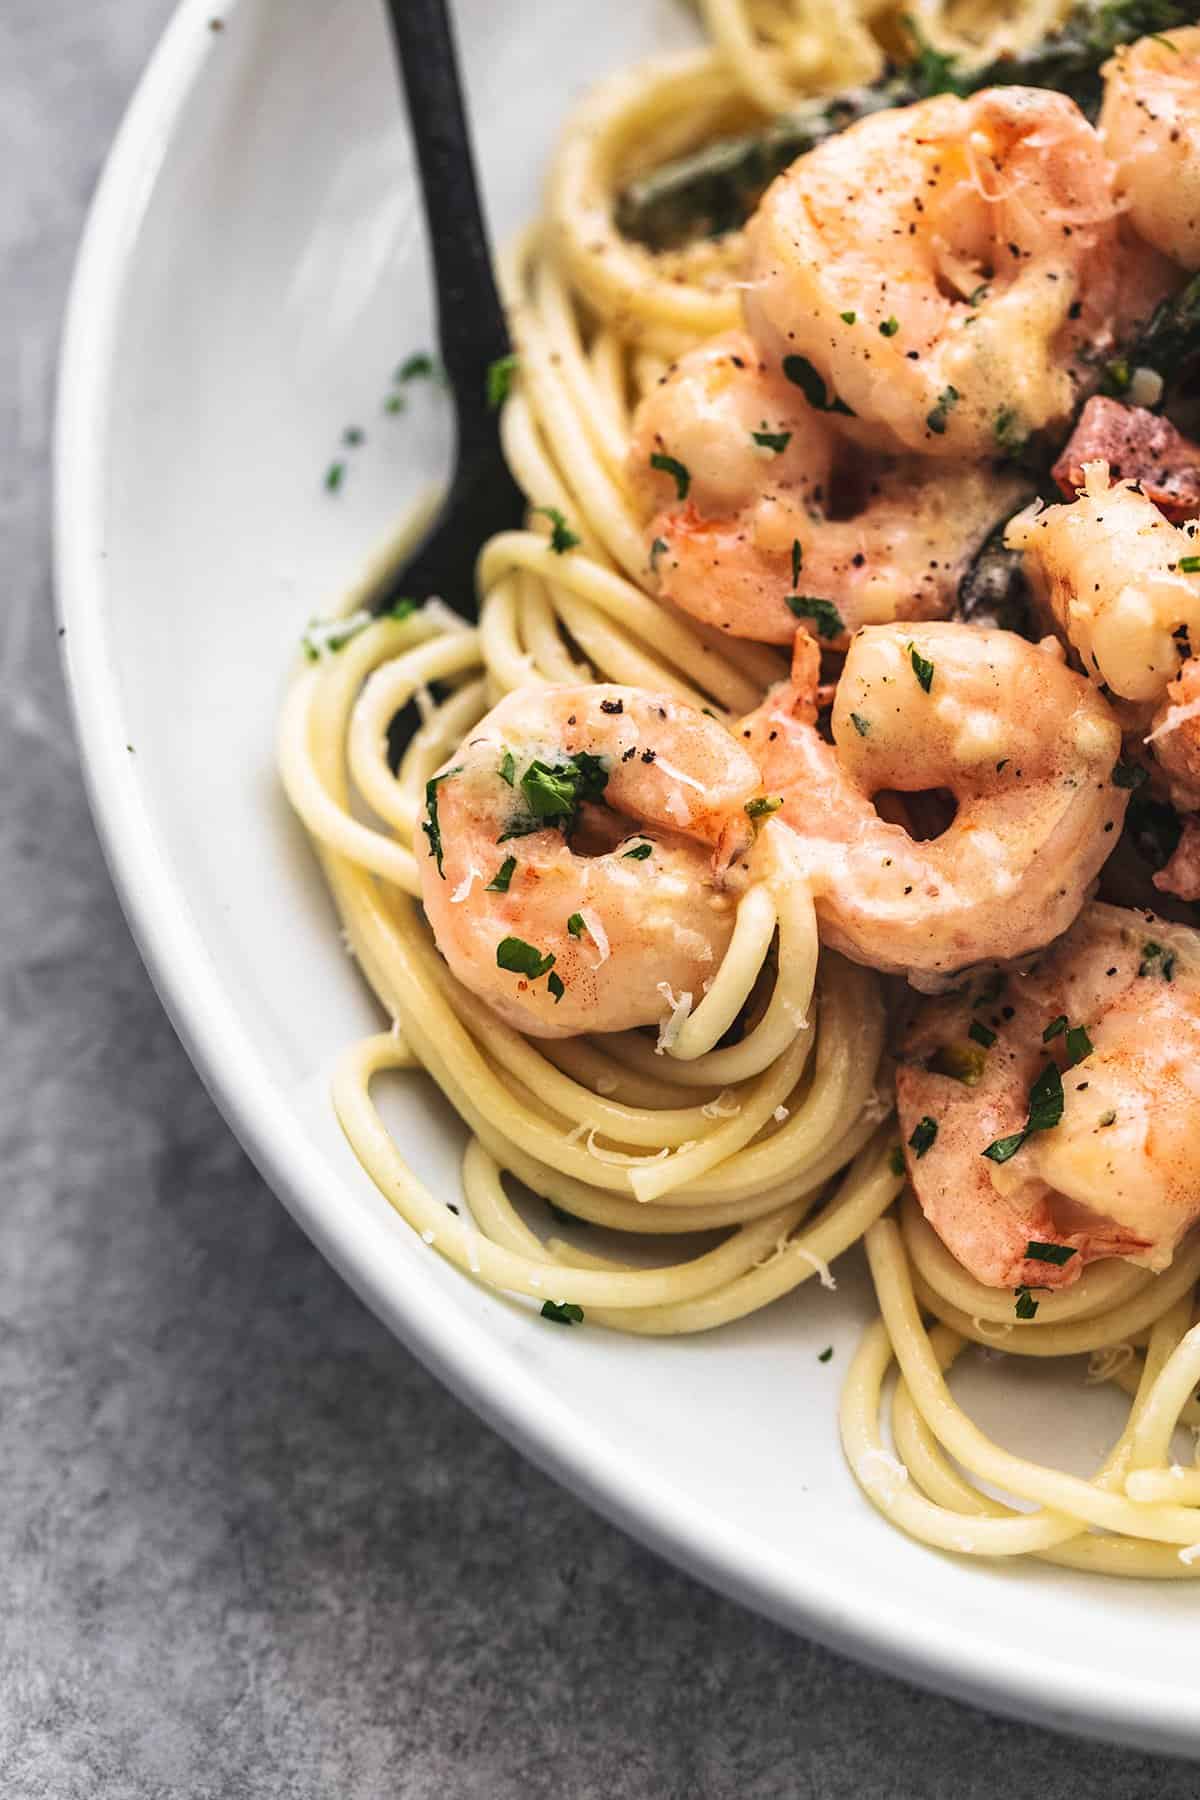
[824, 1273]
[671, 1026]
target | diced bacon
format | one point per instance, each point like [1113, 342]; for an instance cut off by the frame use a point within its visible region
[1137, 445]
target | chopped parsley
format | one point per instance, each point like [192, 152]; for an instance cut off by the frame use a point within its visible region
[639, 853]
[429, 824]
[947, 400]
[861, 725]
[1026, 1307]
[557, 986]
[504, 874]
[353, 436]
[826, 1354]
[1006, 430]
[1045, 1110]
[1153, 953]
[801, 374]
[764, 806]
[554, 792]
[924, 1133]
[922, 669]
[575, 925]
[1189, 565]
[562, 538]
[1117, 377]
[420, 366]
[775, 441]
[499, 379]
[798, 560]
[823, 613]
[848, 318]
[520, 958]
[1079, 1045]
[978, 295]
[981, 1034]
[508, 768]
[563, 1312]
[1058, 1254]
[1128, 775]
[324, 637]
[334, 476]
[658, 548]
[670, 465]
[890, 327]
[1055, 1028]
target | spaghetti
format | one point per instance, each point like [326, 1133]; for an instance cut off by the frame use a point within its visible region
[780, 1141]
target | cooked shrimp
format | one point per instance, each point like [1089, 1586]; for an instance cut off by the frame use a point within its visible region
[941, 275]
[1111, 1169]
[1117, 577]
[1025, 747]
[1150, 124]
[563, 930]
[771, 513]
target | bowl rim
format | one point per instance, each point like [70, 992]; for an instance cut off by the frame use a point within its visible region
[453, 1346]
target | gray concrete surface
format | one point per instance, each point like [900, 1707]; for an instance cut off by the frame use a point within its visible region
[248, 1548]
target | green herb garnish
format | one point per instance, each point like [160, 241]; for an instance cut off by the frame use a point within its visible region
[671, 465]
[1055, 1028]
[504, 874]
[924, 1132]
[562, 538]
[639, 853]
[556, 985]
[1189, 565]
[823, 613]
[1026, 1307]
[420, 366]
[1079, 1045]
[520, 958]
[575, 925]
[848, 318]
[800, 372]
[554, 792]
[889, 328]
[508, 768]
[499, 379]
[563, 1312]
[861, 725]
[947, 400]
[764, 806]
[334, 476]
[798, 560]
[981, 1034]
[1045, 1110]
[430, 825]
[658, 548]
[826, 1354]
[922, 669]
[1058, 1254]
[775, 441]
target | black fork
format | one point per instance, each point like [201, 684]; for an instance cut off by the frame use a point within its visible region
[482, 497]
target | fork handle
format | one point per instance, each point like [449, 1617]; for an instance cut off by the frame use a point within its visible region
[470, 316]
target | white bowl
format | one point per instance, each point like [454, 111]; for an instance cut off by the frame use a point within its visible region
[253, 269]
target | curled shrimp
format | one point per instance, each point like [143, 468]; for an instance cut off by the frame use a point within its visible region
[1026, 1181]
[1115, 575]
[573, 874]
[1023, 745]
[774, 513]
[941, 275]
[1150, 124]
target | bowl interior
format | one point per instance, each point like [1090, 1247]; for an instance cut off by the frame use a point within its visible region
[255, 271]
